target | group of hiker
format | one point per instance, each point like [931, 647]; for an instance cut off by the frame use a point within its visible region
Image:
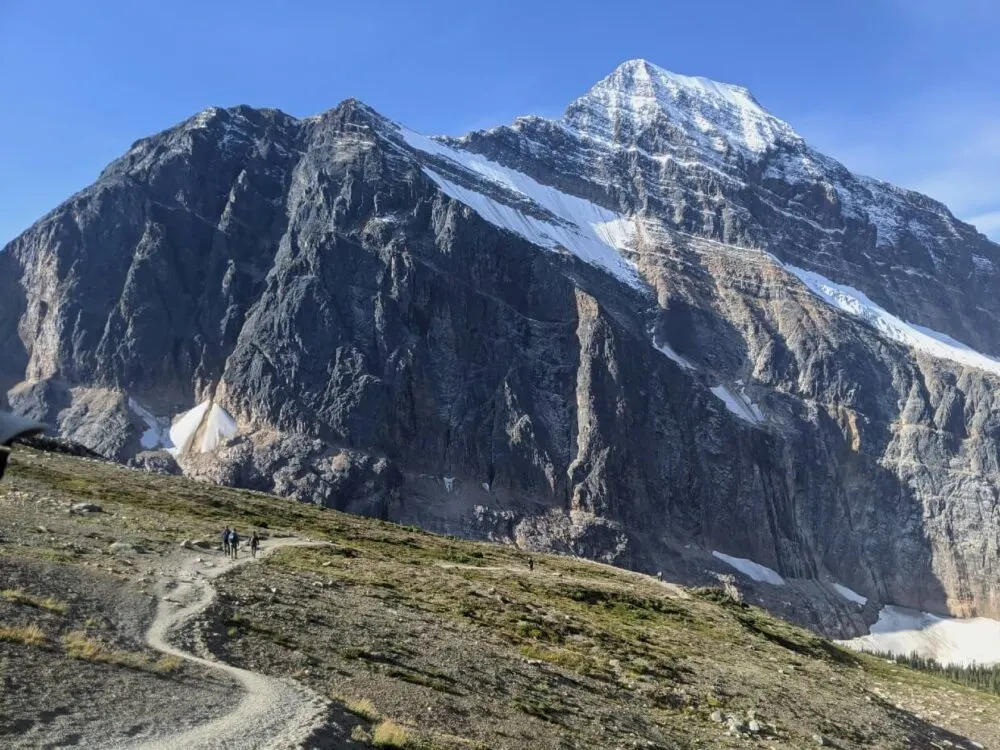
[231, 543]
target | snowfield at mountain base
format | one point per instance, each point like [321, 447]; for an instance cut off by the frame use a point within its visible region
[946, 640]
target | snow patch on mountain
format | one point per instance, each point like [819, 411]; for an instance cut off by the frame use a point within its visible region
[157, 434]
[209, 421]
[857, 304]
[983, 264]
[947, 640]
[666, 349]
[218, 427]
[755, 571]
[185, 426]
[739, 404]
[850, 594]
[592, 233]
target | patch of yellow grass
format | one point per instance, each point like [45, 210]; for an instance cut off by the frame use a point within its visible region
[29, 635]
[362, 707]
[168, 664]
[390, 734]
[358, 734]
[78, 645]
[16, 596]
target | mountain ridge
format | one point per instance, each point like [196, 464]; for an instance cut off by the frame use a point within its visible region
[533, 336]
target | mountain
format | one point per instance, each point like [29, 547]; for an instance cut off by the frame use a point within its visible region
[658, 328]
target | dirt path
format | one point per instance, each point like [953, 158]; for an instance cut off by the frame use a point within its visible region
[274, 713]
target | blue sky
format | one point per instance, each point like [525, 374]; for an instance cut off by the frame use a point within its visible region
[905, 90]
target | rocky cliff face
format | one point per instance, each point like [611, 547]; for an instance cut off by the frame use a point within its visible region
[658, 327]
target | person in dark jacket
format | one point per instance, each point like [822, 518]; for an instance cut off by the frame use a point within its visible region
[225, 540]
[13, 427]
[234, 543]
[254, 543]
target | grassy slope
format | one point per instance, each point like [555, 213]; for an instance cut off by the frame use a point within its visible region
[463, 646]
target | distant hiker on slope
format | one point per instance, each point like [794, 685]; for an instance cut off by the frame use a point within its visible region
[225, 540]
[254, 543]
[234, 543]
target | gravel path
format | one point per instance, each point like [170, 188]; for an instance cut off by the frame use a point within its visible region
[275, 713]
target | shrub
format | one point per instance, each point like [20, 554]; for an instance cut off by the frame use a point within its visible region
[168, 664]
[358, 734]
[390, 734]
[16, 596]
[362, 707]
[79, 646]
[30, 635]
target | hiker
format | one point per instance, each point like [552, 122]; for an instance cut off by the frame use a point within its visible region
[234, 542]
[225, 540]
[531, 563]
[254, 543]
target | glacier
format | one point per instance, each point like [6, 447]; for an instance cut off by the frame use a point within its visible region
[947, 640]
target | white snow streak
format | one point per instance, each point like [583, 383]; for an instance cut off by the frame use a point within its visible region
[917, 337]
[674, 356]
[592, 233]
[947, 640]
[739, 404]
[756, 571]
[851, 595]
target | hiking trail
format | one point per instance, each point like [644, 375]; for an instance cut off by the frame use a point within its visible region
[274, 713]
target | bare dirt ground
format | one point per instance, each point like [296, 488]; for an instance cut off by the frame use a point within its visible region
[385, 635]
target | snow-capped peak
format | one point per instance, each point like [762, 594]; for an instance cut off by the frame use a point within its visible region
[633, 75]
[638, 94]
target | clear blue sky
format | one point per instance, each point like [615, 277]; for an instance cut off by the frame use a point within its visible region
[906, 90]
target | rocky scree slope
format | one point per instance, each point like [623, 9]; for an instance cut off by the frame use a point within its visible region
[659, 326]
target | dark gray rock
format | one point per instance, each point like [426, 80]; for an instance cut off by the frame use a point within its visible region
[155, 462]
